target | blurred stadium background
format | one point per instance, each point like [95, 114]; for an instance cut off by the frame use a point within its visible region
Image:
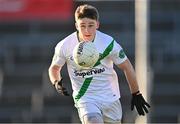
[29, 31]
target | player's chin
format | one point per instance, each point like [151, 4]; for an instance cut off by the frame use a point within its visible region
[88, 39]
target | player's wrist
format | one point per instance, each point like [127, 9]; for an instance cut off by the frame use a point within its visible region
[136, 93]
[55, 82]
[58, 82]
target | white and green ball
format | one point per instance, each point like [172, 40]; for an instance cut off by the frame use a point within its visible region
[85, 54]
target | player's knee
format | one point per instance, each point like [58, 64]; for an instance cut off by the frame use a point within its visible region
[94, 118]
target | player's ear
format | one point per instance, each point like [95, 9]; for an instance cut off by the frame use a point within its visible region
[76, 25]
[97, 25]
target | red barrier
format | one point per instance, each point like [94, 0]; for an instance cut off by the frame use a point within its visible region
[35, 9]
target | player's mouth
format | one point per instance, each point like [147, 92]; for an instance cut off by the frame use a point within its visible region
[87, 37]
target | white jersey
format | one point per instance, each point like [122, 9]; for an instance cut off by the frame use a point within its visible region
[99, 83]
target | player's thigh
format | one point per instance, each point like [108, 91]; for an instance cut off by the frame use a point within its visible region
[92, 118]
[85, 110]
[113, 113]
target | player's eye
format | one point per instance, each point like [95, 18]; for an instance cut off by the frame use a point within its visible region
[83, 26]
[90, 25]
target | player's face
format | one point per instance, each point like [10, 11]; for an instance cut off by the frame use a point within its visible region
[87, 28]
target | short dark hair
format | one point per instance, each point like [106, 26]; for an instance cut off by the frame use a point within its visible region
[86, 11]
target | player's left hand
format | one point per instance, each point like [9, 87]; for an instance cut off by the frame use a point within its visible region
[60, 89]
[140, 104]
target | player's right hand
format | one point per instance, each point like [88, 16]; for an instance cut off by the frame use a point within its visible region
[140, 104]
[60, 89]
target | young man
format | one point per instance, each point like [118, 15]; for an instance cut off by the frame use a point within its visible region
[96, 95]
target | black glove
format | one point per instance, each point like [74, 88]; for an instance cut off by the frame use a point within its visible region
[140, 104]
[60, 89]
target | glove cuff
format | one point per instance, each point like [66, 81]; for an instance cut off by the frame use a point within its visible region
[136, 93]
[55, 82]
[58, 82]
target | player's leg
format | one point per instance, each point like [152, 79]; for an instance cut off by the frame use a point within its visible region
[112, 113]
[92, 118]
[89, 113]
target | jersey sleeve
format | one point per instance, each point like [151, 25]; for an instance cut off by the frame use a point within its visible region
[59, 56]
[118, 54]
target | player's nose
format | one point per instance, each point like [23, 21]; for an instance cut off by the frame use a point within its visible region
[86, 30]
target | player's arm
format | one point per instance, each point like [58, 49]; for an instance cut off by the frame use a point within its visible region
[137, 98]
[54, 73]
[56, 79]
[129, 72]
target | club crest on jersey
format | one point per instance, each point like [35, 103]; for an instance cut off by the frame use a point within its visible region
[121, 54]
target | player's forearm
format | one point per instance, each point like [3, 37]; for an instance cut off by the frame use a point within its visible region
[131, 79]
[54, 73]
[130, 76]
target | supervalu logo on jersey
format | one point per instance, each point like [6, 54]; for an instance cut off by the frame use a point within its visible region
[82, 72]
[89, 73]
